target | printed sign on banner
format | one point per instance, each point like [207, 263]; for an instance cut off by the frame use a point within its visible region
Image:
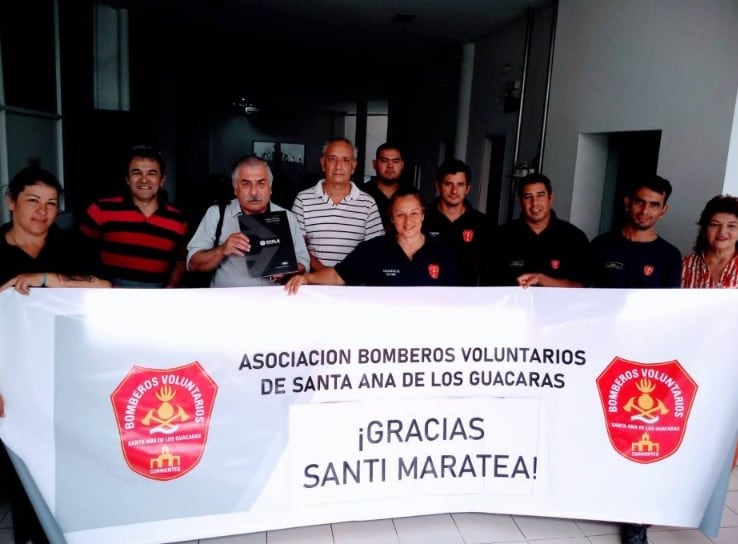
[647, 407]
[163, 417]
[541, 402]
[392, 449]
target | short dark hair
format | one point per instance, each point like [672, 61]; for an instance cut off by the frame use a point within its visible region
[452, 166]
[717, 204]
[406, 191]
[389, 145]
[653, 182]
[146, 152]
[530, 179]
[31, 176]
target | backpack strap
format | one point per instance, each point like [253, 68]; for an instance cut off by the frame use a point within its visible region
[219, 229]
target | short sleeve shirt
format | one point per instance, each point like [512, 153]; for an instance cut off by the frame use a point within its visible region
[382, 262]
[619, 262]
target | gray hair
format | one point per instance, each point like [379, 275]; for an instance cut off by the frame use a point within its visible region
[342, 140]
[251, 161]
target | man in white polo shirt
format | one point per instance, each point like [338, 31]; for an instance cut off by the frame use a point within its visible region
[335, 214]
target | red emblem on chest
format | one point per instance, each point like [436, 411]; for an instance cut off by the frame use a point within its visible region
[163, 417]
[555, 264]
[646, 407]
[434, 271]
[467, 235]
[648, 270]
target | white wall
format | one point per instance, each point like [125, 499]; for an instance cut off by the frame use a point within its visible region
[669, 65]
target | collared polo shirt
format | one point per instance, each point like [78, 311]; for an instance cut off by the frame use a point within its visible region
[333, 230]
[467, 238]
[560, 251]
[382, 262]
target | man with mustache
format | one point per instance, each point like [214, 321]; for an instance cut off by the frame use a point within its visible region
[140, 236]
[252, 185]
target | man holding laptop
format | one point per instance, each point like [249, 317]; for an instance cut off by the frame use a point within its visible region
[236, 259]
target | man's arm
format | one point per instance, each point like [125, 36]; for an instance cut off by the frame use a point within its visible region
[326, 276]
[543, 280]
[177, 275]
[207, 260]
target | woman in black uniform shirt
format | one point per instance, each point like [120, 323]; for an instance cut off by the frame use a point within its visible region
[36, 253]
[405, 257]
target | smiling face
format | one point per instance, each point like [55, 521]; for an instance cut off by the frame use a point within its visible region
[407, 216]
[144, 179]
[644, 208]
[35, 208]
[453, 189]
[536, 202]
[721, 233]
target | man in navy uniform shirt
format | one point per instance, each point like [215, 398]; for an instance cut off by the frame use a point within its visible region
[452, 220]
[538, 248]
[635, 256]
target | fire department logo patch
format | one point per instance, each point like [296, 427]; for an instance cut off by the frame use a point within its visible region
[434, 271]
[646, 407]
[555, 264]
[648, 270]
[467, 235]
[163, 417]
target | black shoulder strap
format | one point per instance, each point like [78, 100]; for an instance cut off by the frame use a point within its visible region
[219, 229]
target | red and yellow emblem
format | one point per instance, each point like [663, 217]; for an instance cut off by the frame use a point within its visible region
[163, 417]
[555, 264]
[646, 407]
[434, 271]
[467, 235]
[648, 270]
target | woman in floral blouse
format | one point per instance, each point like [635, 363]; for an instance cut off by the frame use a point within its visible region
[714, 264]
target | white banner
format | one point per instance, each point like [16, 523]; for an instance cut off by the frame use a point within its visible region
[155, 416]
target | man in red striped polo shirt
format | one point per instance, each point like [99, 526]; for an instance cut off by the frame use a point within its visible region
[140, 237]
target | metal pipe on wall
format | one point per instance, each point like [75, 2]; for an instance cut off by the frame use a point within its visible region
[524, 77]
[554, 17]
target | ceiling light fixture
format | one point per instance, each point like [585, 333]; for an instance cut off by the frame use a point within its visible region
[246, 105]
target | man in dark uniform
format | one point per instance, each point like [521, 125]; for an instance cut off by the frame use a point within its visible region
[635, 256]
[389, 166]
[452, 220]
[538, 248]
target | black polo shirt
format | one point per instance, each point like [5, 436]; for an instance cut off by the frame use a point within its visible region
[372, 188]
[467, 238]
[381, 262]
[619, 262]
[561, 251]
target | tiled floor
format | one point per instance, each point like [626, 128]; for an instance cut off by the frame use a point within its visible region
[466, 529]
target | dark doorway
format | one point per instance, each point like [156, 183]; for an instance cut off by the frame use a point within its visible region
[631, 155]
